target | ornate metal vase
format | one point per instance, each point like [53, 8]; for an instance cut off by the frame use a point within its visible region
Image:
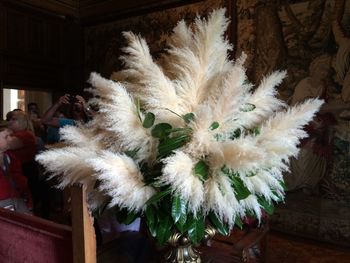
[182, 250]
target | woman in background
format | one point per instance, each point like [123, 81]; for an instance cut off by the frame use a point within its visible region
[22, 143]
[14, 193]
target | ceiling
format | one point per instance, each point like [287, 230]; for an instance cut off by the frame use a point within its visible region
[97, 11]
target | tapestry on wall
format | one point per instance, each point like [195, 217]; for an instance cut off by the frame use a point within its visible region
[103, 42]
[310, 39]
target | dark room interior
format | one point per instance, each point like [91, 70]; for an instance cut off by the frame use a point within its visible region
[48, 50]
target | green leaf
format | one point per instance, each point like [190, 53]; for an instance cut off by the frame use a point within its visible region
[99, 211]
[164, 228]
[151, 220]
[158, 196]
[235, 134]
[161, 130]
[283, 185]
[132, 153]
[226, 170]
[238, 222]
[196, 229]
[170, 144]
[241, 191]
[174, 113]
[149, 120]
[214, 125]
[201, 170]
[179, 210]
[219, 137]
[188, 117]
[251, 174]
[181, 226]
[222, 228]
[130, 218]
[255, 131]
[246, 82]
[250, 214]
[247, 107]
[278, 196]
[267, 206]
[126, 217]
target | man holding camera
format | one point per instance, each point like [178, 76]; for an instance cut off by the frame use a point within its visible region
[75, 106]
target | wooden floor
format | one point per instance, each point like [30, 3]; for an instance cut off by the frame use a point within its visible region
[289, 249]
[280, 249]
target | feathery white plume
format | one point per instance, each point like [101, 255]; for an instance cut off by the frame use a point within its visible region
[280, 135]
[240, 155]
[69, 164]
[264, 99]
[220, 198]
[178, 173]
[251, 204]
[125, 121]
[121, 180]
[156, 90]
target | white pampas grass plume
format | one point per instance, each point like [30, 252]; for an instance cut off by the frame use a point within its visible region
[122, 180]
[220, 199]
[273, 181]
[178, 173]
[81, 136]
[280, 135]
[182, 36]
[102, 87]
[251, 204]
[68, 164]
[264, 99]
[229, 98]
[156, 90]
[258, 186]
[121, 116]
[202, 140]
[196, 66]
[241, 155]
[96, 199]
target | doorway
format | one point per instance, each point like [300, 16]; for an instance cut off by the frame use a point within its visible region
[19, 97]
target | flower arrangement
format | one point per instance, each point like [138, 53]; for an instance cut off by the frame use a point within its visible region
[186, 140]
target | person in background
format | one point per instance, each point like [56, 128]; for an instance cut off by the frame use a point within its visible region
[14, 192]
[9, 114]
[77, 111]
[22, 142]
[39, 129]
[33, 107]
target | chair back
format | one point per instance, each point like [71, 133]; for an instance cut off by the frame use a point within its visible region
[25, 238]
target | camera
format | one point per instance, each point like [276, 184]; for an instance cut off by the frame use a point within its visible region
[72, 99]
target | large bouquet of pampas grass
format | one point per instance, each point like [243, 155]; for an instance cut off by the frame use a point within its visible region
[185, 142]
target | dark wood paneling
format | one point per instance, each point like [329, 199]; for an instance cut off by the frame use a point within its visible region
[16, 33]
[58, 7]
[98, 11]
[37, 49]
[26, 72]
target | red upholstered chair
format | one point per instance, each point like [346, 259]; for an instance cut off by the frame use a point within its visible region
[26, 238]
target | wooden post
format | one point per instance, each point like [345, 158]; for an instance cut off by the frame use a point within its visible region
[84, 240]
